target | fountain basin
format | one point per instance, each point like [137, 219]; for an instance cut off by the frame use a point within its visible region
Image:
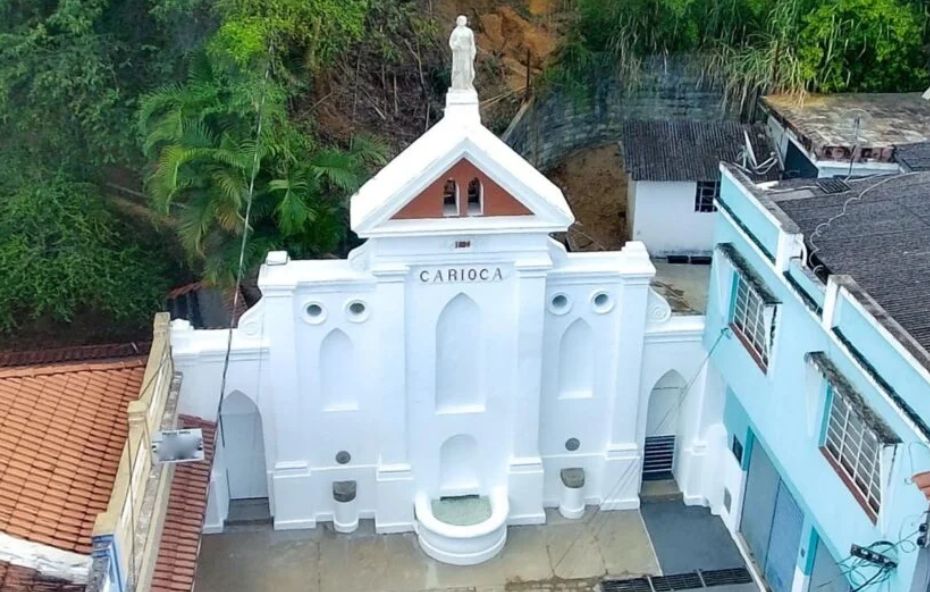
[462, 544]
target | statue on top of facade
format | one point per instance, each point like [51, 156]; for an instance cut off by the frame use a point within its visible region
[462, 42]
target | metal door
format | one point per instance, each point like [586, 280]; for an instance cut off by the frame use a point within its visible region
[826, 576]
[784, 541]
[759, 504]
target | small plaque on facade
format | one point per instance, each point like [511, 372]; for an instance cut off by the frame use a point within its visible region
[177, 446]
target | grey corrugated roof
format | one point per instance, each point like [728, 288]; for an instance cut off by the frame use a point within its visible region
[914, 157]
[687, 150]
[882, 241]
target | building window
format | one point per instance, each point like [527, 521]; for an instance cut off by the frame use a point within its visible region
[475, 197]
[450, 198]
[707, 192]
[749, 320]
[854, 450]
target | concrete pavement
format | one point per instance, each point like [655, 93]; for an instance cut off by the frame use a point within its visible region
[563, 555]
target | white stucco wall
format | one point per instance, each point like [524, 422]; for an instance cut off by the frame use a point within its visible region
[663, 218]
[527, 351]
[447, 357]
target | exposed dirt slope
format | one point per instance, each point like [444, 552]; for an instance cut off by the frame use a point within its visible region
[595, 187]
[395, 90]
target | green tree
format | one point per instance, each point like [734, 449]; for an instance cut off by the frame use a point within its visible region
[200, 138]
[865, 46]
[71, 72]
[62, 253]
[758, 46]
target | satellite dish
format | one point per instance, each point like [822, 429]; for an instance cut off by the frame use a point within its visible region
[178, 446]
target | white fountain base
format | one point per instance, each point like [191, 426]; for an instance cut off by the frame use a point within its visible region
[463, 544]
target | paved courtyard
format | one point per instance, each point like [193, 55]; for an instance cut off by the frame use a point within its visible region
[563, 555]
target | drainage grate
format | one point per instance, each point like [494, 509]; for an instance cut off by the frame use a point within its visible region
[722, 577]
[832, 185]
[633, 585]
[683, 581]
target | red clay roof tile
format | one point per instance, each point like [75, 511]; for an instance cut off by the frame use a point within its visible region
[180, 540]
[56, 465]
[22, 579]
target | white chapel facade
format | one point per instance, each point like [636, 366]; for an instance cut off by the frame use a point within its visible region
[460, 353]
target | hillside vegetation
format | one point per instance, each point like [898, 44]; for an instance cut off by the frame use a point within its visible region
[136, 131]
[758, 46]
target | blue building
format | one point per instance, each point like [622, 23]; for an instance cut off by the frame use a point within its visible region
[818, 328]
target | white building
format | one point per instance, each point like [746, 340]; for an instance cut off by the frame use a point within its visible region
[673, 179]
[459, 352]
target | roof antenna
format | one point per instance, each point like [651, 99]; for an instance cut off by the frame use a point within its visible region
[857, 127]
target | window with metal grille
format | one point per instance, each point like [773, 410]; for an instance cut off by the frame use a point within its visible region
[707, 192]
[749, 320]
[450, 198]
[854, 449]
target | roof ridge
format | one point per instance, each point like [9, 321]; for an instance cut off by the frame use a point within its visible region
[76, 353]
[70, 368]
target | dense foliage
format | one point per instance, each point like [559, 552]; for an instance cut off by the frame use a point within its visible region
[208, 160]
[120, 115]
[760, 46]
[97, 94]
[62, 254]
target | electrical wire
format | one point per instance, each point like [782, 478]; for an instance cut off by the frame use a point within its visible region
[628, 473]
[823, 226]
[245, 238]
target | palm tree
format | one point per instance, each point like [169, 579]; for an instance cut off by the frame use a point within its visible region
[200, 140]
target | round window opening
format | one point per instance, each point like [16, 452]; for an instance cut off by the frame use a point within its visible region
[343, 457]
[314, 311]
[602, 302]
[560, 302]
[357, 308]
[572, 444]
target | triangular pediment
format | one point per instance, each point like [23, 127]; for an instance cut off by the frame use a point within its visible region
[406, 196]
[465, 180]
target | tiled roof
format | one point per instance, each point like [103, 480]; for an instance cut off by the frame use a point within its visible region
[62, 432]
[687, 150]
[74, 354]
[914, 157]
[881, 239]
[187, 506]
[14, 578]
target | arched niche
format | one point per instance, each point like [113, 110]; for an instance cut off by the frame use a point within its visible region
[243, 447]
[665, 404]
[458, 355]
[338, 372]
[458, 466]
[576, 361]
